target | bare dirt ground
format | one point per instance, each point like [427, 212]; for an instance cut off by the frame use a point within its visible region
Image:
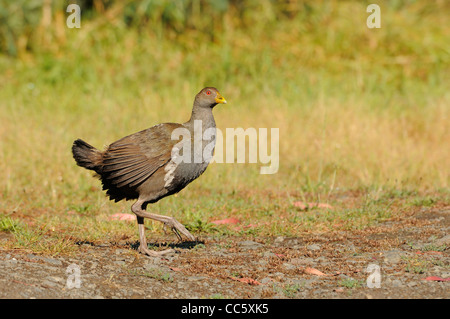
[411, 255]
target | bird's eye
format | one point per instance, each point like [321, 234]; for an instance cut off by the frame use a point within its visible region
[208, 92]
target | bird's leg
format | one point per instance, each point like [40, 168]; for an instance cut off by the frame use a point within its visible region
[143, 249]
[170, 222]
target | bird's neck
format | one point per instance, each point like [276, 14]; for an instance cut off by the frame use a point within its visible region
[202, 114]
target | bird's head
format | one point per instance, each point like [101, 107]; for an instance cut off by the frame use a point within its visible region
[209, 97]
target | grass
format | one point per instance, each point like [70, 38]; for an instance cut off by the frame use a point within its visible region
[290, 290]
[363, 114]
[434, 247]
[423, 201]
[351, 283]
[41, 239]
[8, 224]
[417, 265]
[154, 273]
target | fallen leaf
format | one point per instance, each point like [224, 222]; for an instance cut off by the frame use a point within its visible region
[119, 216]
[436, 278]
[313, 271]
[303, 205]
[230, 220]
[247, 280]
[175, 268]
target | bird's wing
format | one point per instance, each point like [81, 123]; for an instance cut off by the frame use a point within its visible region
[132, 159]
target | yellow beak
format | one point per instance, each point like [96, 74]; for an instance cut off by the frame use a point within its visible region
[220, 99]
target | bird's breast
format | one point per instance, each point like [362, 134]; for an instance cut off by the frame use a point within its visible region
[190, 158]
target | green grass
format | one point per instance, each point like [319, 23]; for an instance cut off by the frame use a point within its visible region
[351, 283]
[290, 290]
[423, 201]
[416, 264]
[434, 247]
[363, 114]
[153, 273]
[7, 224]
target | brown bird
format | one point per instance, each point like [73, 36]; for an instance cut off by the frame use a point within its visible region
[154, 163]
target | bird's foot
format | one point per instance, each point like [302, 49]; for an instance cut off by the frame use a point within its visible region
[178, 228]
[144, 250]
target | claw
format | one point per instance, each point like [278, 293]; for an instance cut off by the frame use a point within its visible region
[144, 250]
[178, 229]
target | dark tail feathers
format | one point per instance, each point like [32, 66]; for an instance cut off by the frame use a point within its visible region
[86, 155]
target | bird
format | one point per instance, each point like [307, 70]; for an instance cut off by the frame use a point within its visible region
[155, 163]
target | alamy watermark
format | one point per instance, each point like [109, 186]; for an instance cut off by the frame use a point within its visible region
[74, 278]
[374, 19]
[374, 279]
[74, 18]
[231, 148]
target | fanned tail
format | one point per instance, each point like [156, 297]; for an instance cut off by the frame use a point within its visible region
[86, 155]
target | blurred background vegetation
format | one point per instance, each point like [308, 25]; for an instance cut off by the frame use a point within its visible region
[358, 108]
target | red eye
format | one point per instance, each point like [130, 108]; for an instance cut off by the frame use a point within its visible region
[208, 92]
